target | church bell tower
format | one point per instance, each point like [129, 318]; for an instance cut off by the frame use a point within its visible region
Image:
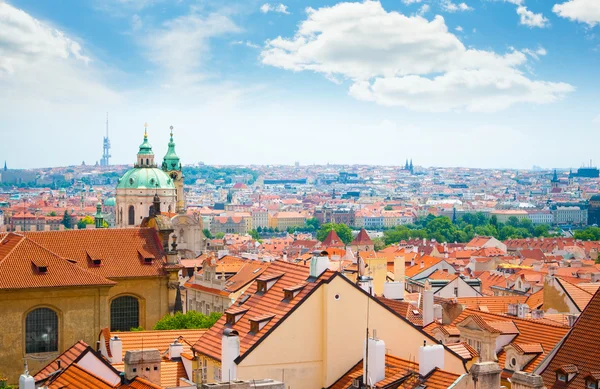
[172, 166]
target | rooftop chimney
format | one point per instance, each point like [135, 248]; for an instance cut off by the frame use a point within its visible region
[427, 304]
[430, 357]
[373, 361]
[230, 350]
[143, 363]
[175, 350]
[26, 381]
[116, 350]
[318, 264]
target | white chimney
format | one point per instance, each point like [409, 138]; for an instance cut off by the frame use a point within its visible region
[26, 381]
[366, 284]
[116, 350]
[430, 357]
[437, 312]
[427, 304]
[230, 350]
[318, 264]
[393, 290]
[537, 314]
[175, 350]
[373, 361]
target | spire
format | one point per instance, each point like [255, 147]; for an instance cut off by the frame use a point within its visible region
[5, 169]
[99, 217]
[145, 154]
[171, 160]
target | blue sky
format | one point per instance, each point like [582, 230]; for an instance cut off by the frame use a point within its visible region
[479, 83]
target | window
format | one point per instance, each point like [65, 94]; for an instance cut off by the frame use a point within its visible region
[217, 374]
[561, 377]
[41, 331]
[590, 383]
[124, 313]
[131, 215]
[204, 369]
[456, 292]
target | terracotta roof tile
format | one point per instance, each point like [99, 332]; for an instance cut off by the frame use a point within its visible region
[404, 309]
[66, 359]
[362, 238]
[21, 264]
[580, 348]
[463, 349]
[580, 297]
[76, 377]
[494, 304]
[271, 303]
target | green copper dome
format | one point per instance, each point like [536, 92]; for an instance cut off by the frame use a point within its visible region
[171, 160]
[145, 147]
[145, 178]
[110, 202]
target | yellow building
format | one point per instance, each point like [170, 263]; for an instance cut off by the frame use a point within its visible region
[306, 327]
[59, 287]
[283, 220]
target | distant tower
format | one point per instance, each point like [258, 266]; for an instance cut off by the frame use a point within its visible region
[5, 168]
[554, 182]
[106, 147]
[410, 167]
[406, 165]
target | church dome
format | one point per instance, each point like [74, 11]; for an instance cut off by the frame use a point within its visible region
[110, 202]
[145, 178]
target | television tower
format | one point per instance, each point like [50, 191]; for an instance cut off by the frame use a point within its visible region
[106, 147]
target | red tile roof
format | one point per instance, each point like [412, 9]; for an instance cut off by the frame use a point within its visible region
[362, 238]
[76, 377]
[580, 348]
[21, 261]
[270, 303]
[118, 248]
[333, 240]
[66, 358]
[404, 309]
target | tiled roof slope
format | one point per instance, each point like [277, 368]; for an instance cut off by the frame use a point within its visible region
[362, 238]
[21, 261]
[493, 304]
[397, 369]
[580, 348]
[531, 331]
[580, 297]
[140, 383]
[66, 358]
[404, 309]
[332, 240]
[76, 377]
[160, 340]
[269, 303]
[117, 248]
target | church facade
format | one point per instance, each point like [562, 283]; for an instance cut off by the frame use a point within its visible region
[138, 186]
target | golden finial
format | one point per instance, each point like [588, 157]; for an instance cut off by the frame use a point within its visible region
[145, 130]
[171, 128]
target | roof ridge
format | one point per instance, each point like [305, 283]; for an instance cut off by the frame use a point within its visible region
[13, 249]
[76, 365]
[574, 285]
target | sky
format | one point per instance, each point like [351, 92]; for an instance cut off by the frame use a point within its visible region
[479, 83]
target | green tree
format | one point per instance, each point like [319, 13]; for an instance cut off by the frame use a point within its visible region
[254, 234]
[388, 208]
[313, 223]
[84, 221]
[189, 320]
[67, 220]
[342, 230]
[53, 213]
[219, 235]
[379, 244]
[207, 233]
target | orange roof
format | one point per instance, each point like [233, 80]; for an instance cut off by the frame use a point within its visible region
[248, 272]
[268, 303]
[66, 358]
[140, 383]
[397, 369]
[545, 332]
[464, 350]
[404, 309]
[536, 300]
[118, 248]
[495, 304]
[427, 261]
[25, 264]
[580, 297]
[160, 340]
[333, 240]
[76, 377]
[362, 238]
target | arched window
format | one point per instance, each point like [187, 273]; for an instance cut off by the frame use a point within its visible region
[41, 331]
[147, 161]
[151, 211]
[124, 313]
[131, 215]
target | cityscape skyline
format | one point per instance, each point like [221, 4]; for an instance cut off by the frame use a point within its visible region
[488, 86]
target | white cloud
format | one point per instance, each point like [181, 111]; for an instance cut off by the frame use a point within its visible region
[136, 22]
[584, 11]
[531, 19]
[181, 45]
[44, 63]
[424, 9]
[246, 43]
[535, 53]
[449, 6]
[459, 28]
[409, 2]
[266, 7]
[397, 60]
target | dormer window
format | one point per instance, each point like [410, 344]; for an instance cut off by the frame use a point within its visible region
[233, 315]
[146, 256]
[257, 323]
[591, 383]
[291, 292]
[42, 269]
[561, 377]
[265, 282]
[566, 373]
